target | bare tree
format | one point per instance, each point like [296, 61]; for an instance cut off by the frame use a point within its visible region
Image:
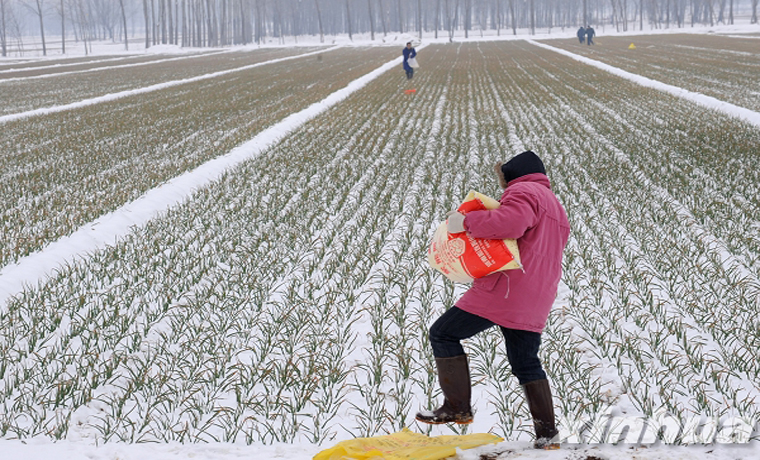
[147, 24]
[183, 21]
[3, 29]
[482, 20]
[162, 20]
[319, 21]
[37, 8]
[170, 20]
[497, 17]
[586, 20]
[211, 24]
[223, 32]
[83, 20]
[277, 21]
[13, 28]
[295, 19]
[400, 16]
[419, 17]
[437, 16]
[153, 22]
[371, 20]
[245, 28]
[451, 18]
[175, 20]
[124, 19]
[259, 22]
[532, 4]
[348, 21]
[62, 12]
[620, 14]
[448, 20]
[383, 18]
[467, 17]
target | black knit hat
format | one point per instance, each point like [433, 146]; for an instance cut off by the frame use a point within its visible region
[522, 165]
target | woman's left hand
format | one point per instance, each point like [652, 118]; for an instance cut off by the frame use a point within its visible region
[455, 222]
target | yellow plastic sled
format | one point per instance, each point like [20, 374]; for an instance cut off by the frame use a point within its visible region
[405, 445]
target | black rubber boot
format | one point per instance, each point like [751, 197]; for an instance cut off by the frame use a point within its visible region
[539, 397]
[454, 378]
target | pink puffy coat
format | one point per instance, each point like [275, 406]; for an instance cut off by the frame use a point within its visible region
[531, 214]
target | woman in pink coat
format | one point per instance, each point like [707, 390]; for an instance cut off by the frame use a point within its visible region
[518, 301]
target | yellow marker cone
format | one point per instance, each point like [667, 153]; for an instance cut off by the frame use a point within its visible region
[631, 46]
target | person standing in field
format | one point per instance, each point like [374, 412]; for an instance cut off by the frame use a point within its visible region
[409, 52]
[590, 35]
[517, 301]
[581, 34]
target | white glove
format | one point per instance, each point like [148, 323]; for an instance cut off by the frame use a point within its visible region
[455, 222]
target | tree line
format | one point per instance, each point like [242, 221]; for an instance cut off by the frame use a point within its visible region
[218, 23]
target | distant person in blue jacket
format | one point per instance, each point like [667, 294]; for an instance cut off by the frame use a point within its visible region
[581, 34]
[590, 35]
[409, 53]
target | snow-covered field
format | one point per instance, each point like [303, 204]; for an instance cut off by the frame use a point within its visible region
[222, 254]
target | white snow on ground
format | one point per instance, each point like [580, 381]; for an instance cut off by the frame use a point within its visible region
[41, 449]
[743, 36]
[109, 228]
[38, 449]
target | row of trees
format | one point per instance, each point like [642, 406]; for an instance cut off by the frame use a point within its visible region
[214, 23]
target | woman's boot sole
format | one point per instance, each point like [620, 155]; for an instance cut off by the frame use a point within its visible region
[431, 422]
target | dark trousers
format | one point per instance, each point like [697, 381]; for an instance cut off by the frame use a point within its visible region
[456, 325]
[409, 73]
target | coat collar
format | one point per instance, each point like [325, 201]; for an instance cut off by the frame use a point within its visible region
[537, 178]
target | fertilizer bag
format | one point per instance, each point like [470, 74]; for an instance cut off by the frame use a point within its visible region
[462, 258]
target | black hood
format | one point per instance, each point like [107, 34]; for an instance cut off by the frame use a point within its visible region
[522, 165]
